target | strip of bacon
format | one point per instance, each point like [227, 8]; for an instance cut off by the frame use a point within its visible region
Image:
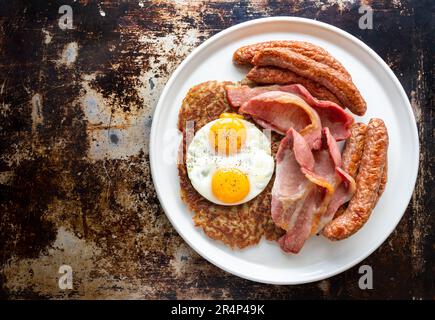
[345, 188]
[290, 186]
[342, 182]
[309, 187]
[331, 114]
[298, 192]
[281, 111]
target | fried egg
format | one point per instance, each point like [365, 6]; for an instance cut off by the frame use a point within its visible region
[229, 160]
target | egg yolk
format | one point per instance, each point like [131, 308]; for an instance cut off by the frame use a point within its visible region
[230, 185]
[228, 134]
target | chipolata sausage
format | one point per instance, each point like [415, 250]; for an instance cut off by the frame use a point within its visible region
[245, 54]
[353, 149]
[272, 75]
[368, 182]
[352, 153]
[342, 87]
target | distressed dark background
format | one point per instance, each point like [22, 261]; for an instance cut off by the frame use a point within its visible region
[75, 111]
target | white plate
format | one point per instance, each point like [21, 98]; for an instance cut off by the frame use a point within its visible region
[386, 99]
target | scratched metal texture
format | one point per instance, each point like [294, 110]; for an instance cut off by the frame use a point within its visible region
[75, 112]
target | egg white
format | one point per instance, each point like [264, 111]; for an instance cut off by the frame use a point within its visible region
[254, 159]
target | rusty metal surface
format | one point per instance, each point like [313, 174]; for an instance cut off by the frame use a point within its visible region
[75, 112]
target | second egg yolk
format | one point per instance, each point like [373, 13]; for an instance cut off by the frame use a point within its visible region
[230, 185]
[228, 134]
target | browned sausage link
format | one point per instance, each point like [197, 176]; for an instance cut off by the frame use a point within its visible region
[341, 86]
[353, 149]
[273, 75]
[244, 55]
[367, 184]
[352, 153]
[381, 190]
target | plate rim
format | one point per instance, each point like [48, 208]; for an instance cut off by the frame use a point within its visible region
[329, 27]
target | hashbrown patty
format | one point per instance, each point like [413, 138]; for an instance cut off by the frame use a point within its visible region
[237, 226]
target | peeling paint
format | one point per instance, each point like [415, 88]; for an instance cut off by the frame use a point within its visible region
[101, 11]
[47, 36]
[180, 260]
[43, 272]
[37, 118]
[112, 134]
[69, 54]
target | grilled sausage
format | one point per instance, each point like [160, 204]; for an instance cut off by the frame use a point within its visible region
[353, 149]
[244, 55]
[339, 85]
[352, 153]
[273, 75]
[368, 181]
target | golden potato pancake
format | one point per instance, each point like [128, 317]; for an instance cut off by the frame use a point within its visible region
[237, 226]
